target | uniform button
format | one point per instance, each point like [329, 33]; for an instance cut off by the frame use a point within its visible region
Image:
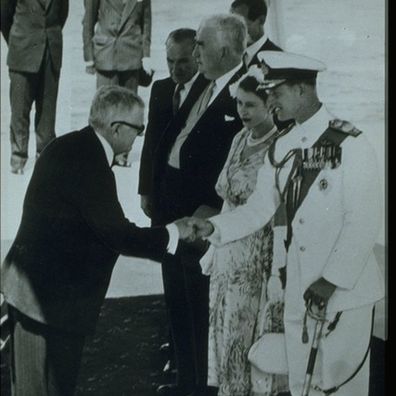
[301, 221]
[302, 248]
[304, 139]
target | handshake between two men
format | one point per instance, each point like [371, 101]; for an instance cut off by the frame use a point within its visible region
[193, 228]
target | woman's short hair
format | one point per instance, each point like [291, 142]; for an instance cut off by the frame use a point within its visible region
[110, 100]
[250, 84]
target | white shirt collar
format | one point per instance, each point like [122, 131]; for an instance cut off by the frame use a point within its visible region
[304, 135]
[252, 50]
[187, 86]
[107, 148]
[222, 81]
[310, 130]
[189, 83]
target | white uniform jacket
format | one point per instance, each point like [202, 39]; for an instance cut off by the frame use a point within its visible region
[334, 229]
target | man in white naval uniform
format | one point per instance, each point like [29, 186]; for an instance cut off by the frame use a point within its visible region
[330, 258]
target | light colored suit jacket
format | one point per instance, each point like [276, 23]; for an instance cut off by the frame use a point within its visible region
[334, 229]
[30, 27]
[117, 36]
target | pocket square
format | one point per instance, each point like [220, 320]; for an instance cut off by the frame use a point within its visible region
[229, 118]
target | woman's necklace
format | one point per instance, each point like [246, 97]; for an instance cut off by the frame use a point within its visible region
[251, 141]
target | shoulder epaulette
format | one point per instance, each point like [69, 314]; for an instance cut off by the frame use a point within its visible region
[344, 127]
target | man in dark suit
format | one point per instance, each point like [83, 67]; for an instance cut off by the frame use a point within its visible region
[254, 13]
[56, 274]
[167, 97]
[33, 32]
[187, 162]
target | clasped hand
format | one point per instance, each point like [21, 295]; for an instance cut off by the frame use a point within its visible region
[193, 228]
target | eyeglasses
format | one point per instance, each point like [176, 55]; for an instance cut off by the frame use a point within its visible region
[139, 128]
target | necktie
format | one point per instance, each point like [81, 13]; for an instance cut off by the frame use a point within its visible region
[176, 98]
[206, 97]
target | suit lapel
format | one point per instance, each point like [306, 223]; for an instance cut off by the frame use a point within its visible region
[267, 46]
[96, 148]
[175, 126]
[129, 7]
[47, 3]
[199, 85]
[223, 96]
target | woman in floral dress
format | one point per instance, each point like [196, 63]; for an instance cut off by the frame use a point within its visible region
[239, 270]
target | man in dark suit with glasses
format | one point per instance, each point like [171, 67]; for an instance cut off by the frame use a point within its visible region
[56, 274]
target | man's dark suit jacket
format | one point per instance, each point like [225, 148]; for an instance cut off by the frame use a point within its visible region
[71, 234]
[202, 155]
[28, 26]
[160, 115]
[267, 46]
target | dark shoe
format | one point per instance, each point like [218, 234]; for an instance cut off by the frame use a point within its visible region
[169, 368]
[172, 390]
[165, 347]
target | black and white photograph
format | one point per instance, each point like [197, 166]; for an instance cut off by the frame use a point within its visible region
[193, 197]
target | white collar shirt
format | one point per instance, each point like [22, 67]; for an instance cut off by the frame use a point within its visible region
[304, 135]
[252, 50]
[222, 81]
[186, 88]
[219, 84]
[172, 228]
[106, 147]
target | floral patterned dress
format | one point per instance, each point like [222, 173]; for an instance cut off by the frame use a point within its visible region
[238, 279]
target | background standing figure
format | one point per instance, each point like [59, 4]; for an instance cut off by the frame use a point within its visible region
[117, 39]
[254, 13]
[167, 97]
[33, 32]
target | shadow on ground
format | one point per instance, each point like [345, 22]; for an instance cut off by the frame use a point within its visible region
[123, 357]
